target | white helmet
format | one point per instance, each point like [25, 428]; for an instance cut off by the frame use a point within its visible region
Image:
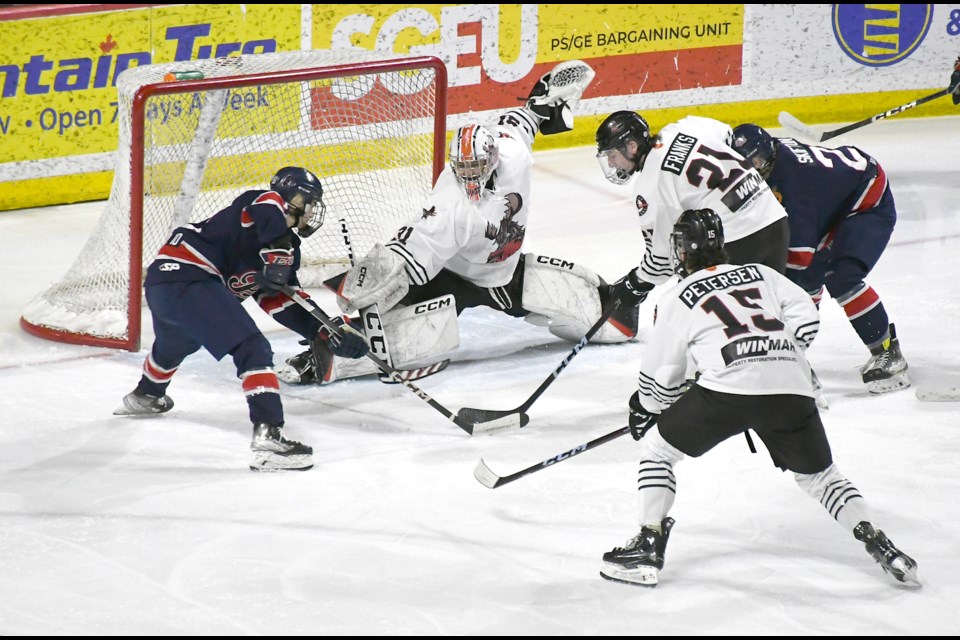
[473, 158]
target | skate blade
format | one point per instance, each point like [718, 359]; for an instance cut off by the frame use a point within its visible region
[269, 461]
[639, 577]
[906, 573]
[893, 383]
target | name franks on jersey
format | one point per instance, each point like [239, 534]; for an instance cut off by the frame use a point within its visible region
[755, 346]
[695, 291]
[744, 191]
[677, 154]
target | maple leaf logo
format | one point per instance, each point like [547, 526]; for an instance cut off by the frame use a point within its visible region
[109, 44]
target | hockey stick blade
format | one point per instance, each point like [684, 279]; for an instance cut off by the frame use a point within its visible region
[938, 393]
[490, 424]
[790, 122]
[491, 480]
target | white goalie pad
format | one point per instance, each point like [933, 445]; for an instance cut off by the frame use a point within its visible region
[379, 278]
[564, 297]
[421, 333]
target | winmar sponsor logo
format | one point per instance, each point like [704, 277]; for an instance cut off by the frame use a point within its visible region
[755, 346]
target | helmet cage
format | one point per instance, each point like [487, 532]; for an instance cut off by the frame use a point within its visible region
[474, 157]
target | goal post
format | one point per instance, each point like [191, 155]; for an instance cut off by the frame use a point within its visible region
[194, 135]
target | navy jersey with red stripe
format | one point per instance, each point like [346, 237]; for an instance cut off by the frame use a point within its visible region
[226, 247]
[820, 187]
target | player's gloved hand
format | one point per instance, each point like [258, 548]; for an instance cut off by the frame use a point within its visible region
[954, 87]
[277, 267]
[641, 420]
[630, 289]
[351, 342]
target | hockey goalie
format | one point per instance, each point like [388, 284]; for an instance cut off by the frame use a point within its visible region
[465, 250]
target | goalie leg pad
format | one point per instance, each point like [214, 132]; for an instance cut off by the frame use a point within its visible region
[420, 333]
[565, 297]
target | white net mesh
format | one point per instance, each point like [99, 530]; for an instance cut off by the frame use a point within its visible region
[369, 136]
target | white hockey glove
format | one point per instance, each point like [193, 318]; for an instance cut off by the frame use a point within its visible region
[380, 279]
[556, 95]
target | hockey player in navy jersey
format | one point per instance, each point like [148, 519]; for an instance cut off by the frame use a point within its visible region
[954, 86]
[841, 212]
[195, 288]
[464, 248]
[745, 328]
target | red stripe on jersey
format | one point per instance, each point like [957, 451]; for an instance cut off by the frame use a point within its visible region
[245, 219]
[186, 253]
[872, 194]
[799, 258]
[271, 197]
[861, 303]
[260, 381]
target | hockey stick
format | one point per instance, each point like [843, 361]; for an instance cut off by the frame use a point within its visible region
[489, 479]
[483, 416]
[791, 122]
[397, 376]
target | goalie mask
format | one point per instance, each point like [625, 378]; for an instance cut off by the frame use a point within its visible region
[623, 142]
[473, 158]
[757, 146]
[697, 241]
[303, 193]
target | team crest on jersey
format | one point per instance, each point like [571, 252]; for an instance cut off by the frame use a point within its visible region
[642, 206]
[509, 234]
[243, 285]
[429, 213]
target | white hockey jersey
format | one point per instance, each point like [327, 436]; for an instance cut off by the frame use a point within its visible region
[743, 327]
[480, 242]
[692, 166]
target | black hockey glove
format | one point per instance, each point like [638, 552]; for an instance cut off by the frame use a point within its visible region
[954, 87]
[630, 289]
[641, 420]
[277, 267]
[350, 343]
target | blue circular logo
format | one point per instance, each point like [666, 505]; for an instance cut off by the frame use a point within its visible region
[878, 35]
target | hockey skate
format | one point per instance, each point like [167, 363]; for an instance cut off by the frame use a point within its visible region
[887, 369]
[640, 561]
[141, 404]
[895, 562]
[304, 368]
[273, 452]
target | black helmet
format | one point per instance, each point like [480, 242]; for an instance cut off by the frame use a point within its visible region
[303, 193]
[614, 133]
[757, 146]
[697, 241]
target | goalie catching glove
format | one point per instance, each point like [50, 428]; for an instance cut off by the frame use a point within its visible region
[557, 93]
[640, 419]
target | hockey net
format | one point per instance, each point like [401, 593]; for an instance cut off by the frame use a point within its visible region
[194, 135]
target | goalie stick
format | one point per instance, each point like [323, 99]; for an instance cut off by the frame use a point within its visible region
[791, 122]
[491, 480]
[398, 377]
[484, 416]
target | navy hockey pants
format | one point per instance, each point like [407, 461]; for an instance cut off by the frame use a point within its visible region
[194, 314]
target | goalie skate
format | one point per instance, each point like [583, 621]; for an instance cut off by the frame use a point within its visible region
[273, 452]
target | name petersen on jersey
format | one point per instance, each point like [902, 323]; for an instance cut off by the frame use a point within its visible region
[695, 291]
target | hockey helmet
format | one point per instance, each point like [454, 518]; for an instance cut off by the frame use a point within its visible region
[756, 145]
[303, 193]
[474, 157]
[697, 241]
[613, 134]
